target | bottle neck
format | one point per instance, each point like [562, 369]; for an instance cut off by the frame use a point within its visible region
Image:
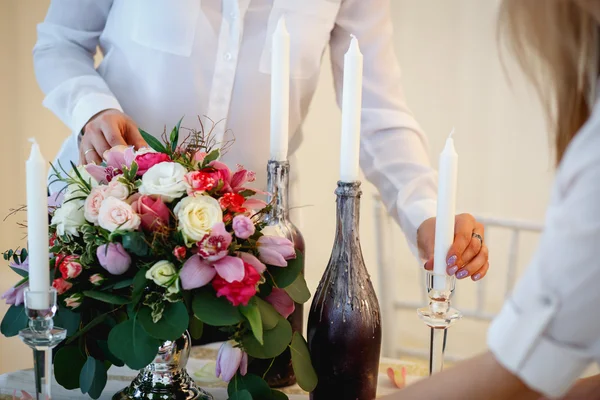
[278, 182]
[348, 213]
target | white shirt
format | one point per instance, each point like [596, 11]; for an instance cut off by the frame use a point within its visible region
[548, 331]
[168, 58]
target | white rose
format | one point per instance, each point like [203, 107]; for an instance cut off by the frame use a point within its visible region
[163, 273]
[74, 190]
[197, 215]
[117, 189]
[116, 214]
[69, 218]
[92, 204]
[164, 179]
[145, 150]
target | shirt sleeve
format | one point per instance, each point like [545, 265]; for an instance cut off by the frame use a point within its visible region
[393, 147]
[64, 61]
[548, 332]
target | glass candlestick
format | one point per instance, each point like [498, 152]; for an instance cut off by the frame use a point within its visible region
[42, 336]
[438, 316]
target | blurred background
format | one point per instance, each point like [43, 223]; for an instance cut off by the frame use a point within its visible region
[453, 77]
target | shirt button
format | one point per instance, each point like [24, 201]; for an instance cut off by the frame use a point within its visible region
[227, 56]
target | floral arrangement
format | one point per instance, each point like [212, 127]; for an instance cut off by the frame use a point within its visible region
[158, 241]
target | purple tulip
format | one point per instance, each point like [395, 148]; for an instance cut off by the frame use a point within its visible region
[275, 250]
[229, 360]
[113, 258]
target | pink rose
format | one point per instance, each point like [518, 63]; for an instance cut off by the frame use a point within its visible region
[274, 250]
[116, 189]
[199, 182]
[61, 285]
[69, 267]
[179, 252]
[229, 360]
[74, 300]
[97, 279]
[113, 258]
[116, 214]
[215, 245]
[243, 227]
[147, 159]
[281, 302]
[91, 208]
[154, 213]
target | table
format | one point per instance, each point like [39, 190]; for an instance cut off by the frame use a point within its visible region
[201, 367]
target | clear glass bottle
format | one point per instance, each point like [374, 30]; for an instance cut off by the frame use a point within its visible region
[344, 323]
[281, 372]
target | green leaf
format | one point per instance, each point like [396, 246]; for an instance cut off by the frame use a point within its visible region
[284, 277]
[255, 385]
[303, 368]
[130, 342]
[174, 321]
[298, 290]
[213, 310]
[123, 284]
[153, 142]
[175, 136]
[139, 284]
[106, 297]
[270, 317]
[93, 323]
[275, 341]
[241, 395]
[14, 320]
[21, 272]
[135, 243]
[247, 193]
[196, 328]
[92, 378]
[68, 320]
[277, 395]
[108, 355]
[212, 156]
[252, 314]
[68, 363]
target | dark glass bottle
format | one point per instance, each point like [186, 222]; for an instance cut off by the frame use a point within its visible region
[344, 324]
[281, 372]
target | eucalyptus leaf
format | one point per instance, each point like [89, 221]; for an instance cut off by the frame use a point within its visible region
[303, 368]
[136, 244]
[92, 378]
[196, 328]
[270, 317]
[213, 310]
[252, 314]
[139, 284]
[298, 290]
[106, 297]
[14, 320]
[93, 323]
[123, 284]
[23, 273]
[255, 385]
[108, 355]
[241, 395]
[174, 321]
[285, 276]
[277, 395]
[275, 341]
[68, 320]
[68, 362]
[132, 344]
[153, 142]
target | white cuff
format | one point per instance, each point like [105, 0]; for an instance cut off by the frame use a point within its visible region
[417, 213]
[90, 105]
[516, 338]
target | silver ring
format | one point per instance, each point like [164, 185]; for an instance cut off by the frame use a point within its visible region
[478, 236]
[87, 151]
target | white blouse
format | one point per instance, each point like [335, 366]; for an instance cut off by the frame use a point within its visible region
[548, 332]
[168, 58]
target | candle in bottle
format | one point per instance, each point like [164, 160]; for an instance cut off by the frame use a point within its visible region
[37, 227]
[280, 92]
[351, 111]
[446, 210]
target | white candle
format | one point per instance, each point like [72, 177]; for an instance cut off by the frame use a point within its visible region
[351, 111]
[37, 227]
[280, 92]
[446, 209]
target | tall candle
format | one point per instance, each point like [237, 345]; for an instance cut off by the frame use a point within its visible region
[37, 227]
[446, 209]
[351, 111]
[280, 91]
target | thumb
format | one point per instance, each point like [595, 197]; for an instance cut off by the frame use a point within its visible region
[133, 137]
[429, 264]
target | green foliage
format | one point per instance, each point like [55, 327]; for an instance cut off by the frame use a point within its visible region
[277, 395]
[106, 297]
[68, 362]
[68, 320]
[242, 395]
[132, 344]
[153, 142]
[139, 284]
[213, 310]
[275, 341]
[174, 321]
[255, 385]
[123, 284]
[284, 277]
[14, 320]
[136, 244]
[303, 368]
[92, 378]
[174, 137]
[196, 328]
[252, 314]
[269, 316]
[210, 157]
[92, 324]
[298, 290]
[108, 355]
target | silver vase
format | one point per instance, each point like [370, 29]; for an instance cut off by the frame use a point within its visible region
[166, 378]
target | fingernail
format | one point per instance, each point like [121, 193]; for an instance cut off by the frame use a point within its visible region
[452, 271]
[425, 265]
[476, 277]
[462, 274]
[451, 261]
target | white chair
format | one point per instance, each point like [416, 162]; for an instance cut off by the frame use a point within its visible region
[390, 305]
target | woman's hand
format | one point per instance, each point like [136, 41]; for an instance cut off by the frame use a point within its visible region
[468, 256]
[107, 129]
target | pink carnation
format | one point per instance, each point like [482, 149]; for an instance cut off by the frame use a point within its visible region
[238, 292]
[61, 285]
[200, 182]
[148, 159]
[69, 267]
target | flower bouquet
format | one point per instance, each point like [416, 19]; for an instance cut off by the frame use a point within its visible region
[157, 242]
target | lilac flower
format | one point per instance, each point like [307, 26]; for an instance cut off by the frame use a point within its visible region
[16, 295]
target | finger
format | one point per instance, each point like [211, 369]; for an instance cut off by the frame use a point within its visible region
[99, 144]
[113, 134]
[133, 137]
[463, 230]
[87, 152]
[474, 245]
[475, 265]
[429, 265]
[481, 273]
[91, 156]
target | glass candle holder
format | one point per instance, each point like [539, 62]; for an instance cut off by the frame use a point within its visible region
[42, 336]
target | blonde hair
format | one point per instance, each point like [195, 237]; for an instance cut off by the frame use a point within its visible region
[556, 43]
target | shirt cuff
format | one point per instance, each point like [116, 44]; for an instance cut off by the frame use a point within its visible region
[90, 105]
[416, 213]
[516, 338]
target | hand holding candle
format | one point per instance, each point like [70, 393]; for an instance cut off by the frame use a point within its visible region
[280, 92]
